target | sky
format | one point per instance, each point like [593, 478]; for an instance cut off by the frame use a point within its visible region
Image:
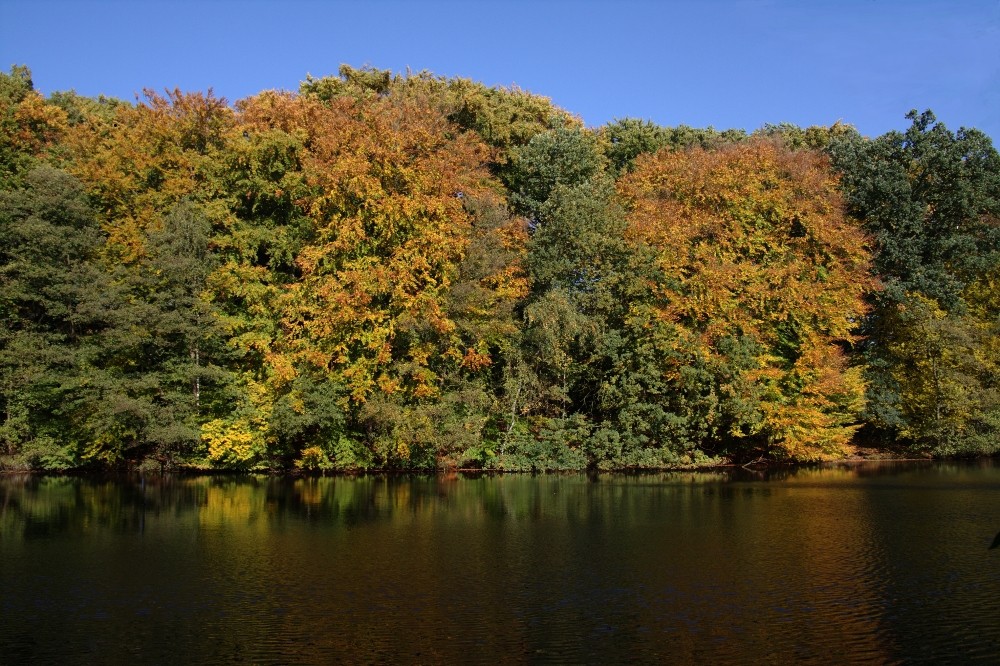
[720, 63]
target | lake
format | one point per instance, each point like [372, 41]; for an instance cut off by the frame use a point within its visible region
[874, 562]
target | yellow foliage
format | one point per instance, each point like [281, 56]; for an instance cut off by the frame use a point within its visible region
[232, 443]
[388, 182]
[241, 439]
[38, 126]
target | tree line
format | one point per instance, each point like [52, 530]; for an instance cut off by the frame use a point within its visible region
[415, 272]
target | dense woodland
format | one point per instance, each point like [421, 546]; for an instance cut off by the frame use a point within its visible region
[416, 272]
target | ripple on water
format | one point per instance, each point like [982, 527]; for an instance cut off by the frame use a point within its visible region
[877, 569]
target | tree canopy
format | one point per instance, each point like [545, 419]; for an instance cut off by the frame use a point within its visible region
[414, 272]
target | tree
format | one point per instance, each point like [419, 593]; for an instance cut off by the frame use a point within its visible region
[628, 138]
[29, 127]
[50, 308]
[947, 388]
[503, 118]
[930, 198]
[140, 162]
[369, 268]
[763, 274]
[80, 109]
[566, 156]
[584, 280]
[815, 137]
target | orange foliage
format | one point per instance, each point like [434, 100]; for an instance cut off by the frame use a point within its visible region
[39, 126]
[146, 159]
[390, 228]
[753, 241]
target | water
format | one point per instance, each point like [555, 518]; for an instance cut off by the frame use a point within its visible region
[886, 563]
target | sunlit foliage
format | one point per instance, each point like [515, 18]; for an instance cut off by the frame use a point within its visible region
[763, 277]
[417, 272]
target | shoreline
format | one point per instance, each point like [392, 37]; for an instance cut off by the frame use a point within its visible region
[755, 466]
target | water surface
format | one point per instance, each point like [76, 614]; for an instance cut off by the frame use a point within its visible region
[881, 563]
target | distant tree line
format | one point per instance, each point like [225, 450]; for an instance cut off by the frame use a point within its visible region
[415, 272]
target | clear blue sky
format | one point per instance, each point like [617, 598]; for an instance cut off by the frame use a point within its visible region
[726, 63]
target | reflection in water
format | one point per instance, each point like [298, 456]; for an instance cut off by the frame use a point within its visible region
[883, 563]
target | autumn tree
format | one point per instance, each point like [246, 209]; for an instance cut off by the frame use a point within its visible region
[30, 128]
[763, 279]
[367, 268]
[505, 118]
[140, 161]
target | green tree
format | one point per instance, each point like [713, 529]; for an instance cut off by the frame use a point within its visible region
[51, 307]
[161, 366]
[627, 138]
[566, 156]
[584, 282]
[930, 199]
[80, 109]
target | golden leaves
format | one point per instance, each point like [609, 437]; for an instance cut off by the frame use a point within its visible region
[39, 126]
[146, 159]
[389, 230]
[753, 241]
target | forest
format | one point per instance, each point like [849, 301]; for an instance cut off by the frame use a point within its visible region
[413, 272]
